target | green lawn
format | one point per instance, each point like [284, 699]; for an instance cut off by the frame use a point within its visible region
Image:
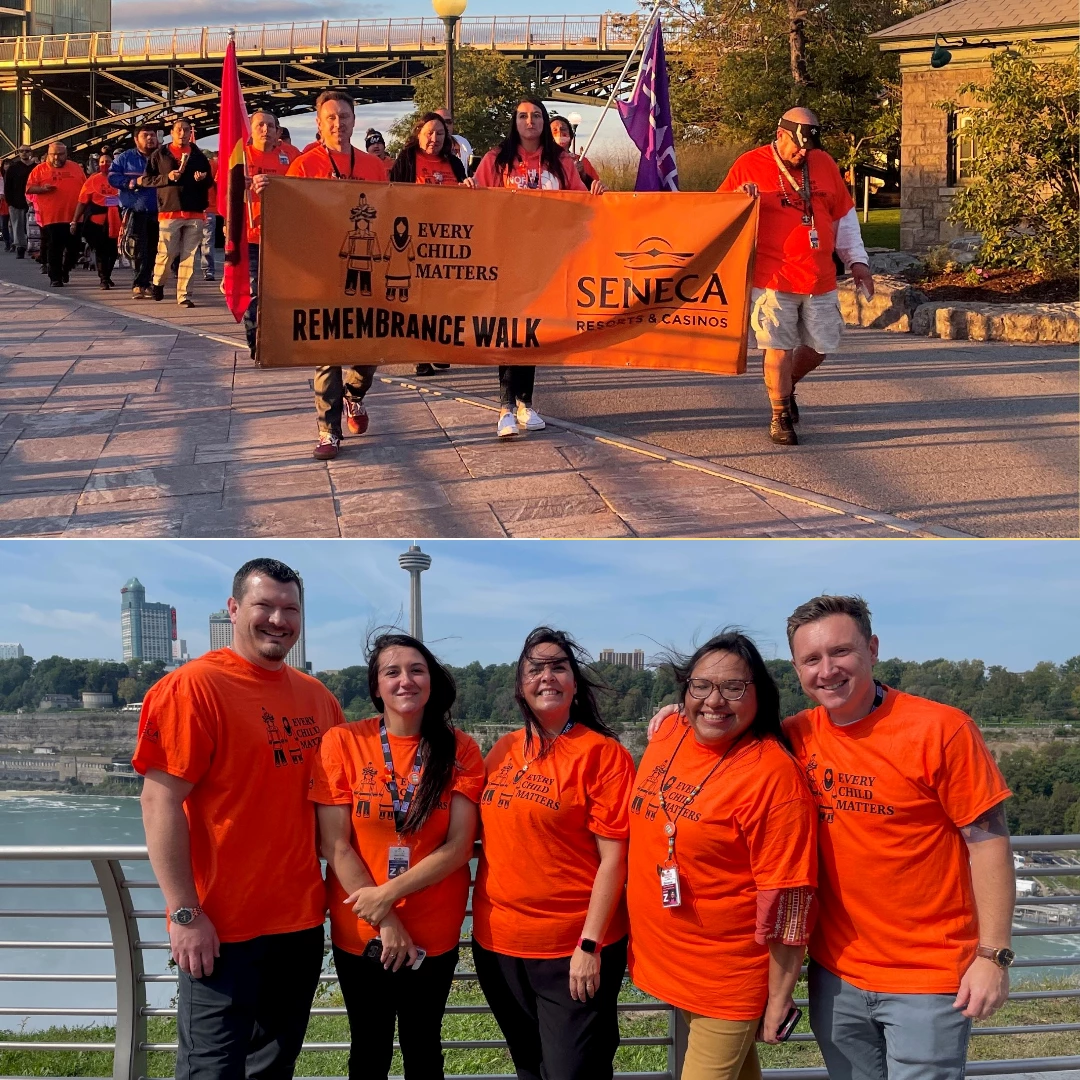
[883, 228]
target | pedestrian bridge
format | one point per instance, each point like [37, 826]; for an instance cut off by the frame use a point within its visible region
[108, 903]
[90, 88]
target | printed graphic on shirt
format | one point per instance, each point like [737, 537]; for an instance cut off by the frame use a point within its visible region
[846, 792]
[289, 740]
[530, 784]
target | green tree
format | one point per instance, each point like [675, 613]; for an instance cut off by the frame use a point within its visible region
[1025, 198]
[487, 86]
[127, 691]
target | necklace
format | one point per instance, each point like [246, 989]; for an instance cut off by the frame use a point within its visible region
[529, 764]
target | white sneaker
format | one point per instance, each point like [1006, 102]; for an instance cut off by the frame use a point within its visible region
[529, 418]
[507, 424]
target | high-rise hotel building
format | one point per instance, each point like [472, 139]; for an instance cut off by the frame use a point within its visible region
[146, 630]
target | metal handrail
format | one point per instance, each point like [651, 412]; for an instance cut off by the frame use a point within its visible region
[610, 32]
[130, 1045]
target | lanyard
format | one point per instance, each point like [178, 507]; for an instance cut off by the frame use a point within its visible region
[879, 696]
[803, 190]
[529, 764]
[401, 806]
[333, 166]
[670, 828]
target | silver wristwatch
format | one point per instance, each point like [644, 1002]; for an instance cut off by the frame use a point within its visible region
[182, 916]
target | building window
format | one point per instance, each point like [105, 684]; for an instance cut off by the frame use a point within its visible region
[963, 149]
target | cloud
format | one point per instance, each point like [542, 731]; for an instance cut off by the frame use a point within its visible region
[151, 14]
[64, 620]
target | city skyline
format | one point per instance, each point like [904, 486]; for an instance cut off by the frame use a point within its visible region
[1010, 603]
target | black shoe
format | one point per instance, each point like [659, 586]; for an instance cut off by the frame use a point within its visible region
[157, 292]
[187, 303]
[67, 277]
[793, 408]
[441, 367]
[782, 431]
[44, 268]
[57, 284]
[424, 369]
[20, 253]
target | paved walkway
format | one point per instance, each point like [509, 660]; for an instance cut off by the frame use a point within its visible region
[122, 417]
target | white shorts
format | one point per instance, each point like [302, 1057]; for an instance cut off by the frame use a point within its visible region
[784, 320]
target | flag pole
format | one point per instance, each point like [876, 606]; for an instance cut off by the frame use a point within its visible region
[622, 75]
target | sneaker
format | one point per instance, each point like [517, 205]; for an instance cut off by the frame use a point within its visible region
[507, 424]
[138, 294]
[529, 418]
[157, 292]
[327, 447]
[356, 417]
[424, 369]
[208, 276]
[186, 303]
[57, 284]
[793, 408]
[441, 367]
[782, 431]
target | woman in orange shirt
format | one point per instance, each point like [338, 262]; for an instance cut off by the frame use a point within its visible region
[723, 861]
[99, 213]
[549, 924]
[527, 158]
[397, 819]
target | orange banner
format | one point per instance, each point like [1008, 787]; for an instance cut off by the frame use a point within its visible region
[359, 273]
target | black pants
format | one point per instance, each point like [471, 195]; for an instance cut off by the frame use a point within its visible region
[249, 1016]
[551, 1036]
[61, 249]
[374, 997]
[103, 246]
[145, 226]
[516, 384]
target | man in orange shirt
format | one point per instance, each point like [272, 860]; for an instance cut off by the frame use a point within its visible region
[265, 156]
[806, 213]
[915, 879]
[56, 183]
[338, 389]
[226, 744]
[181, 173]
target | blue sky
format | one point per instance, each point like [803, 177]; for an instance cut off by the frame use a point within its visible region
[1004, 602]
[611, 142]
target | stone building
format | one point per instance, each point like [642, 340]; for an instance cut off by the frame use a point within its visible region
[933, 163]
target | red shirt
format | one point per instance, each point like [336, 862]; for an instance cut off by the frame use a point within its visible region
[529, 172]
[58, 206]
[321, 162]
[785, 261]
[433, 170]
[276, 162]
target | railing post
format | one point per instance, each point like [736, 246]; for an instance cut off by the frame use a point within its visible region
[129, 1059]
[601, 37]
[679, 1031]
[492, 33]
[564, 32]
[323, 35]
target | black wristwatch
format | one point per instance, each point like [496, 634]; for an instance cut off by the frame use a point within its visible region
[182, 916]
[1002, 957]
[587, 945]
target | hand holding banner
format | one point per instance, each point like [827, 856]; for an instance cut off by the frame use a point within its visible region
[403, 273]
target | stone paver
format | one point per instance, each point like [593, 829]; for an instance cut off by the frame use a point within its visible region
[118, 419]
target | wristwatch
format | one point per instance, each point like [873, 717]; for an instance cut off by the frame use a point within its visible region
[1002, 957]
[587, 945]
[182, 916]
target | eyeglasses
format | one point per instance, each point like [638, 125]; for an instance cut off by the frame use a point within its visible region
[732, 690]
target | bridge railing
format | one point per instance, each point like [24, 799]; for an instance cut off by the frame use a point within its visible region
[589, 33]
[129, 897]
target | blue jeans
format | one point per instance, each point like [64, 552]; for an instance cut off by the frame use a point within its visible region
[870, 1035]
[206, 245]
[251, 316]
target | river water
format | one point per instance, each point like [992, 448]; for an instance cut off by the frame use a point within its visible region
[80, 820]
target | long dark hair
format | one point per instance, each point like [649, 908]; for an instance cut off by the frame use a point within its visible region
[550, 151]
[412, 146]
[736, 643]
[437, 740]
[583, 709]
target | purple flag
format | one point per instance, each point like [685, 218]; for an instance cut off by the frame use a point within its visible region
[647, 119]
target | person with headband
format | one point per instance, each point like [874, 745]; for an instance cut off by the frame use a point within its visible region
[806, 213]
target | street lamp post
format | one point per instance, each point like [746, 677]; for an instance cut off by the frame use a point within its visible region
[415, 562]
[449, 11]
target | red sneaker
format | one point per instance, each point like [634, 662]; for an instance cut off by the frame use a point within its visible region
[356, 417]
[327, 447]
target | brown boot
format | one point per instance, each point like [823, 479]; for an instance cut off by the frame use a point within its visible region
[781, 429]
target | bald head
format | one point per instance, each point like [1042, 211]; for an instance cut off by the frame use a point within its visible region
[799, 115]
[57, 154]
[796, 133]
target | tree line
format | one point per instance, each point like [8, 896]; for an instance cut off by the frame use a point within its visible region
[24, 682]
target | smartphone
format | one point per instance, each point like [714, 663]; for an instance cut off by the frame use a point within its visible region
[373, 950]
[791, 1021]
[420, 954]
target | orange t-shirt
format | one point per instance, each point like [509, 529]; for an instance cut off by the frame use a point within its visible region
[246, 738]
[751, 828]
[58, 206]
[316, 162]
[276, 162]
[433, 170]
[785, 261]
[529, 172]
[350, 771]
[539, 858]
[100, 192]
[897, 914]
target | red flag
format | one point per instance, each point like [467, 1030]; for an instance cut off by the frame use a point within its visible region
[232, 194]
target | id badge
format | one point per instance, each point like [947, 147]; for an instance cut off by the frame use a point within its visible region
[397, 862]
[670, 893]
[814, 239]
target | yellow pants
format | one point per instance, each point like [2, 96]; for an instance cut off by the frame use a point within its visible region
[178, 238]
[720, 1049]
